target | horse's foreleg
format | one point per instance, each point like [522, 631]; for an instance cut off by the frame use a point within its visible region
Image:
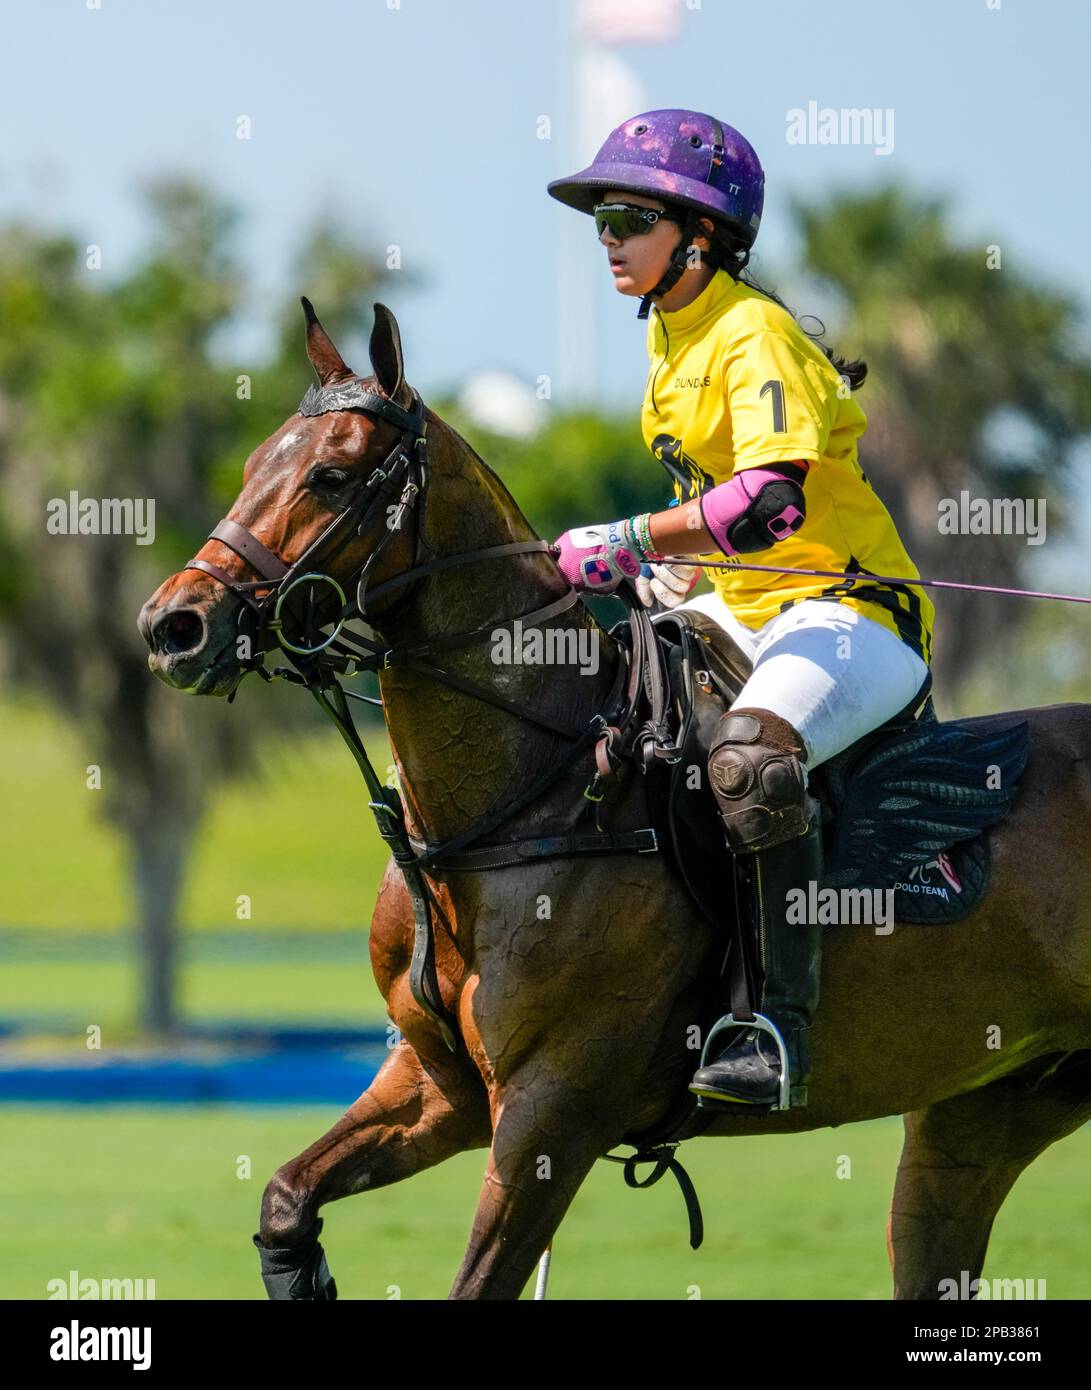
[546, 1140]
[959, 1161]
[404, 1122]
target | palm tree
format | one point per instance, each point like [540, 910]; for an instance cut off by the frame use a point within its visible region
[978, 382]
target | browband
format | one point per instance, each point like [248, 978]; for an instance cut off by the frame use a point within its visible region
[351, 395]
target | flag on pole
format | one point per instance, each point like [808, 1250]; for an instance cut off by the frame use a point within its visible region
[608, 92]
[598, 90]
[612, 22]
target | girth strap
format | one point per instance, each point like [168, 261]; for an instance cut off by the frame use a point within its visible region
[512, 852]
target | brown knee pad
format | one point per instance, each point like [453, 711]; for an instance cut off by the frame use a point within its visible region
[755, 766]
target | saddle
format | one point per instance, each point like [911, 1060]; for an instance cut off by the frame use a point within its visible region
[904, 808]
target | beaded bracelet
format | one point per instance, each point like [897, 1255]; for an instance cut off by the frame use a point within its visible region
[641, 529]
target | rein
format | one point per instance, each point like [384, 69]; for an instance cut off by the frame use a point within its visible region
[866, 575]
[262, 616]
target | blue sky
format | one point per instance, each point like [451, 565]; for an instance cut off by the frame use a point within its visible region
[417, 125]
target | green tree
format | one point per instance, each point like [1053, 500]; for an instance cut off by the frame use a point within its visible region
[113, 388]
[581, 468]
[967, 350]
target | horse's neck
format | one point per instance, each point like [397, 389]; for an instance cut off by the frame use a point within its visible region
[460, 757]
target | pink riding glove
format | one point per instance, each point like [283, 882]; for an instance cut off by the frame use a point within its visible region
[595, 559]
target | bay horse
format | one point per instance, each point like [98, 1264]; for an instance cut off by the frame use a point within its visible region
[573, 985]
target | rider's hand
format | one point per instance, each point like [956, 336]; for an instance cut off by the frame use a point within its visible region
[595, 559]
[670, 584]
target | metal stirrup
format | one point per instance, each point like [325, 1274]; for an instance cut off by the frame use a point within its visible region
[763, 1025]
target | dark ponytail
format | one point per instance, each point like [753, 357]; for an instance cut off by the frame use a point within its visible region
[729, 252]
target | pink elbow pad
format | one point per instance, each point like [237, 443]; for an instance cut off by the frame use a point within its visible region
[756, 508]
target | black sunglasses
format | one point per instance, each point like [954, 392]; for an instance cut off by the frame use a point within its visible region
[628, 219]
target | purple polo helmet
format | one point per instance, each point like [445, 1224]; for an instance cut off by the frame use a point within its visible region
[686, 158]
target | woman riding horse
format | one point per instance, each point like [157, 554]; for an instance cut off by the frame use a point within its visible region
[759, 429]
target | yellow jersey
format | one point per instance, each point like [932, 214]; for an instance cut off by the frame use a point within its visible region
[734, 383]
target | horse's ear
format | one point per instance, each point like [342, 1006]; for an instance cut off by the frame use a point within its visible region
[385, 349]
[325, 359]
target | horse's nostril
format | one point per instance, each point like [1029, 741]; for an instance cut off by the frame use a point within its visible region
[180, 631]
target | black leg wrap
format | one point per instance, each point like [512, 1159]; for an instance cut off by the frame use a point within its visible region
[297, 1272]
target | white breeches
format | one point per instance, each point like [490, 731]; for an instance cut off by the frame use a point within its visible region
[833, 674]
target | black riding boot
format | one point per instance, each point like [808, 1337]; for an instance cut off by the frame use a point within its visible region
[748, 1069]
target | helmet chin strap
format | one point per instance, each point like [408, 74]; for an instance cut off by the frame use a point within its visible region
[677, 266]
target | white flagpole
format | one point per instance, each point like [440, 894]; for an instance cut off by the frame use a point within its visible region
[576, 376]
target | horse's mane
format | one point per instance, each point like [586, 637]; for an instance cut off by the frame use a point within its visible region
[503, 493]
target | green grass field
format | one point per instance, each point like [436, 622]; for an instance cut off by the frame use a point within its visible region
[64, 867]
[331, 984]
[127, 1192]
[64, 891]
[153, 1193]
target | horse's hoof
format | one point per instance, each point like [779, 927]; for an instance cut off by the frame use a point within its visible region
[297, 1272]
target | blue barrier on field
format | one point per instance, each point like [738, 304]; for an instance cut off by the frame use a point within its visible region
[285, 1077]
[291, 1035]
[249, 1033]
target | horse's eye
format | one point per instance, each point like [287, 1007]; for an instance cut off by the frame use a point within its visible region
[329, 477]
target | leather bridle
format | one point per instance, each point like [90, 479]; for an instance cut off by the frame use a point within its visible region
[403, 474]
